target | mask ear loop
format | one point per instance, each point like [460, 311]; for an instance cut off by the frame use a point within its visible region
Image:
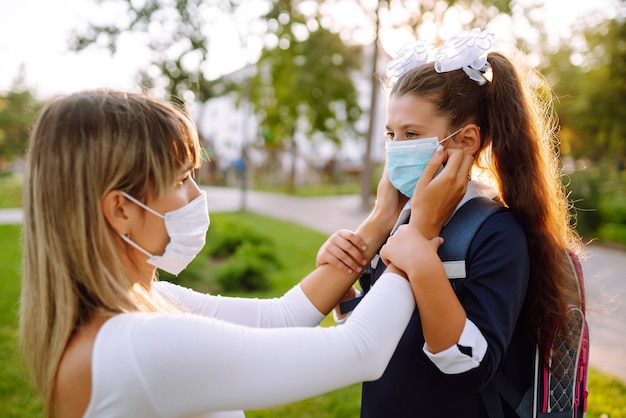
[447, 137]
[138, 203]
[149, 209]
[135, 245]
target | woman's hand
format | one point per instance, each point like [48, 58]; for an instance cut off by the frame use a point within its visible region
[343, 250]
[437, 195]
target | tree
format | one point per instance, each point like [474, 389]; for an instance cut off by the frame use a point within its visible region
[323, 104]
[18, 110]
[294, 70]
[287, 14]
[590, 84]
[304, 83]
[175, 32]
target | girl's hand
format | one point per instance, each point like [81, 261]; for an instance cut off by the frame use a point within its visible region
[407, 249]
[437, 195]
[343, 250]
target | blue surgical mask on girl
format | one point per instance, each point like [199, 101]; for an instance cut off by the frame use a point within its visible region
[406, 161]
[186, 227]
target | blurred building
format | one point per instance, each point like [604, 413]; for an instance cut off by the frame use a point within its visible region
[228, 126]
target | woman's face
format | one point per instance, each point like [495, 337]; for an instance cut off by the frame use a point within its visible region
[412, 117]
[149, 231]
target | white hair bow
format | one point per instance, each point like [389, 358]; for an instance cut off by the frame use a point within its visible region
[410, 56]
[467, 50]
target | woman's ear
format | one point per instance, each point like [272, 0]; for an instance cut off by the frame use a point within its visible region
[470, 139]
[116, 211]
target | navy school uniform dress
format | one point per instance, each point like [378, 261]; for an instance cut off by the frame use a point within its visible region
[497, 273]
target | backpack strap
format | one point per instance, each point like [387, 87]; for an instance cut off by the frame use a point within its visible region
[458, 234]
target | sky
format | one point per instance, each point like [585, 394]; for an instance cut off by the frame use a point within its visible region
[34, 33]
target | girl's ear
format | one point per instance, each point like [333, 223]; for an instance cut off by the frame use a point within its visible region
[117, 212]
[470, 139]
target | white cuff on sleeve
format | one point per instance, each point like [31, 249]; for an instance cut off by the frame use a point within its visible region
[338, 320]
[452, 360]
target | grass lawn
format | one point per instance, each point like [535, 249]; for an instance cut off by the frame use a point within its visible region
[296, 247]
[16, 397]
[10, 191]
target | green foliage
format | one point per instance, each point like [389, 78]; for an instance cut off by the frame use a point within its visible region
[607, 396]
[178, 41]
[250, 254]
[235, 258]
[585, 198]
[18, 110]
[598, 194]
[305, 81]
[276, 91]
[225, 237]
[591, 105]
[248, 269]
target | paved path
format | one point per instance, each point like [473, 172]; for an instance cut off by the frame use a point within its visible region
[604, 267]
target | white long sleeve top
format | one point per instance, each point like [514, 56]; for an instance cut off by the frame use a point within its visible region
[232, 354]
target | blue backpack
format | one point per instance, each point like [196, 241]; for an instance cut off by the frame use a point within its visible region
[559, 387]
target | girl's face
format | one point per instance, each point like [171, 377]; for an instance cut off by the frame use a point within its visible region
[412, 117]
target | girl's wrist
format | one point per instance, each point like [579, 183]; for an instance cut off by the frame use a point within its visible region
[426, 225]
[384, 219]
[374, 230]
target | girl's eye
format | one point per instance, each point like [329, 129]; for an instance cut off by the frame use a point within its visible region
[410, 135]
[390, 136]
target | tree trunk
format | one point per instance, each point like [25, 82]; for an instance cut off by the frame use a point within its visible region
[367, 171]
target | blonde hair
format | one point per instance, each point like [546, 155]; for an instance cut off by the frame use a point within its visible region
[83, 146]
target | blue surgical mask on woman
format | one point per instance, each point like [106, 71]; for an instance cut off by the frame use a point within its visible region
[186, 227]
[406, 161]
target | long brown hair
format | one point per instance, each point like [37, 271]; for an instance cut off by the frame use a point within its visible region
[83, 146]
[519, 150]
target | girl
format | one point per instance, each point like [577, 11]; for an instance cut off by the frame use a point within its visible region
[108, 198]
[517, 267]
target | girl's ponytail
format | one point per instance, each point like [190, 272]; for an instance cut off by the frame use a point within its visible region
[522, 131]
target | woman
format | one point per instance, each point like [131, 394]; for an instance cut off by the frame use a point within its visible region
[108, 199]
